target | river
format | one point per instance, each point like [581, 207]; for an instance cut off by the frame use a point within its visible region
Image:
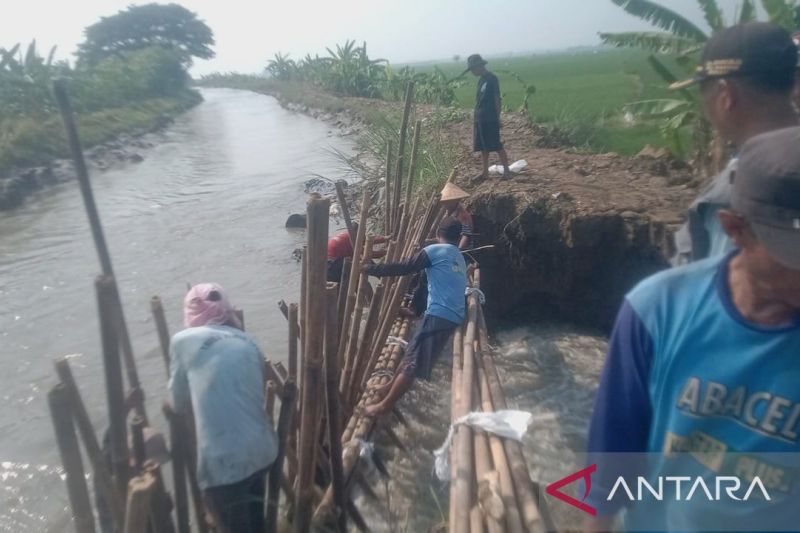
[208, 203]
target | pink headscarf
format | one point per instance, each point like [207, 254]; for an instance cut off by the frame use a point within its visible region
[199, 310]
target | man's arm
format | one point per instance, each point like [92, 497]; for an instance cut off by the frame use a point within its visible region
[417, 262]
[622, 411]
[497, 98]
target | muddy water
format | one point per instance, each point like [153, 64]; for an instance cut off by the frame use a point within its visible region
[549, 370]
[209, 203]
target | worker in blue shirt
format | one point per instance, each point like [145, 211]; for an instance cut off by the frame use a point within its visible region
[447, 281]
[704, 360]
[746, 82]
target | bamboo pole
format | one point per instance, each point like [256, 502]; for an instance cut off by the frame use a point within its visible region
[412, 167]
[73, 139]
[59, 401]
[348, 222]
[344, 285]
[355, 323]
[362, 358]
[140, 497]
[523, 485]
[398, 173]
[387, 194]
[318, 213]
[462, 486]
[178, 458]
[137, 437]
[355, 272]
[455, 401]
[513, 520]
[160, 319]
[476, 520]
[93, 451]
[276, 472]
[117, 411]
[332, 396]
[270, 400]
[293, 334]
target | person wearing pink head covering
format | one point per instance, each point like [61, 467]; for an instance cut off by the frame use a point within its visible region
[218, 372]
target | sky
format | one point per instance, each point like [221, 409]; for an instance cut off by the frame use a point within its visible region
[249, 32]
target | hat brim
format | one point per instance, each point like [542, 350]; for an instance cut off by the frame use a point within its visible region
[678, 85]
[783, 244]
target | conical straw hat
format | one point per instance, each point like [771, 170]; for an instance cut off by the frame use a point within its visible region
[452, 191]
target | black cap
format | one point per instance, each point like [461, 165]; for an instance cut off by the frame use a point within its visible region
[758, 50]
[474, 61]
[450, 228]
[766, 191]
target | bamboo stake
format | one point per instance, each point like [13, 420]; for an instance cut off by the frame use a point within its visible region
[355, 272]
[318, 213]
[270, 400]
[73, 139]
[348, 222]
[334, 416]
[161, 327]
[117, 411]
[398, 173]
[523, 485]
[344, 285]
[140, 496]
[137, 436]
[59, 400]
[412, 167]
[355, 323]
[387, 194]
[276, 472]
[293, 334]
[455, 401]
[178, 457]
[93, 451]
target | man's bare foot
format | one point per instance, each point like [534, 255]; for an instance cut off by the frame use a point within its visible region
[376, 410]
[407, 312]
[380, 392]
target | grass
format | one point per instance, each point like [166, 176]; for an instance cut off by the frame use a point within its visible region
[37, 141]
[587, 86]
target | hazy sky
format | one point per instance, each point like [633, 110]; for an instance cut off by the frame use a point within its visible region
[249, 32]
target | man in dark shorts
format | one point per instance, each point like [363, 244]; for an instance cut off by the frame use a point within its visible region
[447, 281]
[487, 117]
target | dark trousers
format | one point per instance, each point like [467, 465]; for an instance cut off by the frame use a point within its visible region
[426, 346]
[238, 507]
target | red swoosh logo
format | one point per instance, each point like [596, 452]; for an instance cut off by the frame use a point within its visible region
[554, 489]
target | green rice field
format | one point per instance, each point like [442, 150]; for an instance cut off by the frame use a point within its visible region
[583, 91]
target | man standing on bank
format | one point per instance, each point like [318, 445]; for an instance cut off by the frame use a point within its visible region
[487, 117]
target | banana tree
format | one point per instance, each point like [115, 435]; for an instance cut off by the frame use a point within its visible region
[681, 40]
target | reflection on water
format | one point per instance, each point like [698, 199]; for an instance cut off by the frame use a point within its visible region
[208, 203]
[548, 370]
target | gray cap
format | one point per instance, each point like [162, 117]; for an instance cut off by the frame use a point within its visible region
[766, 191]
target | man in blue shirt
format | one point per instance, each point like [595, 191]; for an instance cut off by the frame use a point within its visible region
[705, 358]
[218, 372]
[746, 79]
[447, 281]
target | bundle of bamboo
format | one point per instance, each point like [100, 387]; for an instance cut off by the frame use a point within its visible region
[490, 487]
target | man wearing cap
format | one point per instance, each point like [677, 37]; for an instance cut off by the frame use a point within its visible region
[486, 132]
[705, 359]
[340, 247]
[446, 273]
[218, 372]
[746, 79]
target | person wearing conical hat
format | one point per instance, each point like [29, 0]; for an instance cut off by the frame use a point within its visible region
[487, 116]
[450, 199]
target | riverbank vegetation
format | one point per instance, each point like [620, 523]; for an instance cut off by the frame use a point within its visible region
[130, 76]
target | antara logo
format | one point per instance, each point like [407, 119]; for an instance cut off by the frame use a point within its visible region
[663, 487]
